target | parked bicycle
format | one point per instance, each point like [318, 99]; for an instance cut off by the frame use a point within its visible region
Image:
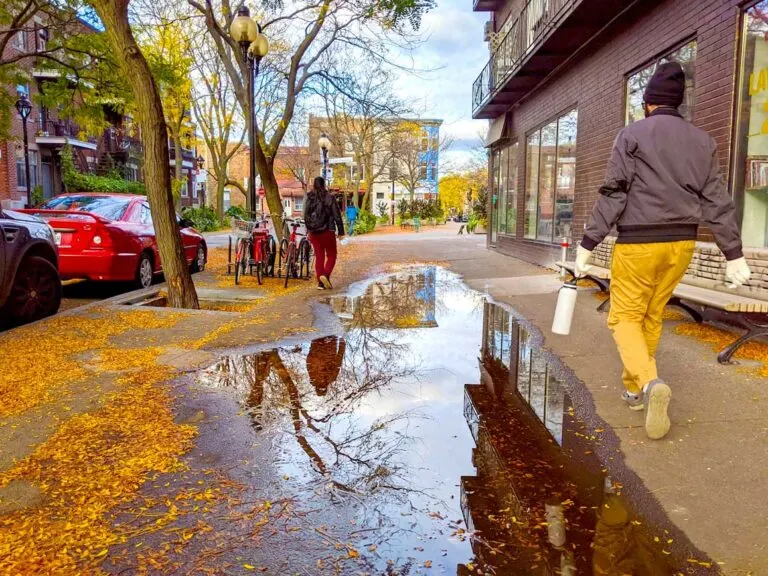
[295, 254]
[255, 249]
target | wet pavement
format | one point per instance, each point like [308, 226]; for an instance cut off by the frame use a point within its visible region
[427, 432]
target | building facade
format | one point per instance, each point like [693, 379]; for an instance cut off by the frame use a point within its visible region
[565, 76]
[403, 156]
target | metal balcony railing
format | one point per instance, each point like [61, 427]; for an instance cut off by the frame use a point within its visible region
[534, 22]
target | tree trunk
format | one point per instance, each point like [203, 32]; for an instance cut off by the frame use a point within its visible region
[149, 112]
[266, 169]
[221, 183]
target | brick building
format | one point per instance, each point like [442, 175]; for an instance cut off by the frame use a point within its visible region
[564, 76]
[118, 147]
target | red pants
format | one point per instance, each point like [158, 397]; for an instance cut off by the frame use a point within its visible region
[324, 244]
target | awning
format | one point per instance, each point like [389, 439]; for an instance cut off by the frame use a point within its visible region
[497, 131]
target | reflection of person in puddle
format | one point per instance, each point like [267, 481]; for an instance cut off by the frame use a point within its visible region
[620, 547]
[324, 362]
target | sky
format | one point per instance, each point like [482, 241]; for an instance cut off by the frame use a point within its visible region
[453, 53]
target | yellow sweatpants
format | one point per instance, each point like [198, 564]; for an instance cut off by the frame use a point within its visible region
[643, 277]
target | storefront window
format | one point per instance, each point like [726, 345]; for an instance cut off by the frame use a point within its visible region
[504, 179]
[638, 81]
[531, 183]
[550, 179]
[566, 174]
[753, 127]
[512, 174]
[501, 192]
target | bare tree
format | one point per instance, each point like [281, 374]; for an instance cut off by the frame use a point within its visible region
[218, 115]
[360, 110]
[307, 30]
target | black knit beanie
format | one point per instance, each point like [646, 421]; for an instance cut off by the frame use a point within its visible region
[667, 86]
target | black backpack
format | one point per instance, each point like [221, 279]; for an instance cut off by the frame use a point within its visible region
[318, 213]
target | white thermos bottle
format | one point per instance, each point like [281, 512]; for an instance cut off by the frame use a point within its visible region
[566, 304]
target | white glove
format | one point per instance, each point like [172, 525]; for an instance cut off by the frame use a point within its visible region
[736, 273]
[582, 267]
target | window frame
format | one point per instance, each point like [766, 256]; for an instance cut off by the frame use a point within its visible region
[739, 147]
[532, 235]
[654, 61]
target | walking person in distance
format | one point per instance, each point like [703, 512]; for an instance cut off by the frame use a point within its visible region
[663, 179]
[323, 220]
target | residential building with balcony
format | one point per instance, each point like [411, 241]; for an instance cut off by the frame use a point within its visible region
[117, 149]
[565, 76]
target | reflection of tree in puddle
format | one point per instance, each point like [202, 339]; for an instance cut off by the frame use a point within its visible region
[403, 300]
[541, 501]
[318, 395]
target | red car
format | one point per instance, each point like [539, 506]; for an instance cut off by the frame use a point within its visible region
[110, 237]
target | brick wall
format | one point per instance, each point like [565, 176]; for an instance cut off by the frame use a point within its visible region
[595, 84]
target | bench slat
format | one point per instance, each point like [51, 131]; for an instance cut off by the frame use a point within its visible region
[712, 295]
[720, 300]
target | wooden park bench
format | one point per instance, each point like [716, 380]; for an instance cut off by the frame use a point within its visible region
[705, 300]
[405, 224]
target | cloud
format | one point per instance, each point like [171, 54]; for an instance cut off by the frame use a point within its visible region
[453, 53]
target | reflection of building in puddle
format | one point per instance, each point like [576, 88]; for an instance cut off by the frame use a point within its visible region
[403, 300]
[540, 502]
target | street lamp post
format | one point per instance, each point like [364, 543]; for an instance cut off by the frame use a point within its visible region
[324, 144]
[253, 47]
[24, 108]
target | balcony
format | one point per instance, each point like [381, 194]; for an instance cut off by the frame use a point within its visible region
[57, 133]
[545, 35]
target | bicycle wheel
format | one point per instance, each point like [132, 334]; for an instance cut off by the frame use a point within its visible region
[271, 257]
[282, 256]
[238, 260]
[290, 263]
[305, 258]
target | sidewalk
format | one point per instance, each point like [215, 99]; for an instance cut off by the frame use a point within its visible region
[97, 451]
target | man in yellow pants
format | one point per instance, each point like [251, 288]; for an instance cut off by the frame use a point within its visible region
[663, 178]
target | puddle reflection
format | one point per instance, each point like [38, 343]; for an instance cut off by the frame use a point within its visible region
[436, 458]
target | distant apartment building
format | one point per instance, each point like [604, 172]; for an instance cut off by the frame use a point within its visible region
[117, 148]
[398, 168]
[564, 76]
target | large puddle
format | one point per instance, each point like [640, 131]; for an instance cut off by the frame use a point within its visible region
[431, 434]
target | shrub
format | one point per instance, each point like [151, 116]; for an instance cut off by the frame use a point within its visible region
[383, 209]
[204, 218]
[403, 210]
[366, 222]
[236, 212]
[75, 181]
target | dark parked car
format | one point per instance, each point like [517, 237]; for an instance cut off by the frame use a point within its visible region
[30, 286]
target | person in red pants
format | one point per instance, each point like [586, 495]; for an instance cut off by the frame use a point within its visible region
[323, 219]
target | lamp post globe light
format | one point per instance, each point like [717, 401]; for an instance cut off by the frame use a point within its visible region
[324, 144]
[24, 108]
[253, 47]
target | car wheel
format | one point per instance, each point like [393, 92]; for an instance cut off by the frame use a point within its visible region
[144, 273]
[198, 264]
[36, 291]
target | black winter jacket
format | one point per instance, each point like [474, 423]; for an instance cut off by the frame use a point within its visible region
[662, 180]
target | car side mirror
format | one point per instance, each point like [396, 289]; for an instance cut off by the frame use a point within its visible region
[186, 223]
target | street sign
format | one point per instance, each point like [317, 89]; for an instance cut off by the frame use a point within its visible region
[345, 160]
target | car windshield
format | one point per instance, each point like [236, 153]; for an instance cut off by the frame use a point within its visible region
[106, 206]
